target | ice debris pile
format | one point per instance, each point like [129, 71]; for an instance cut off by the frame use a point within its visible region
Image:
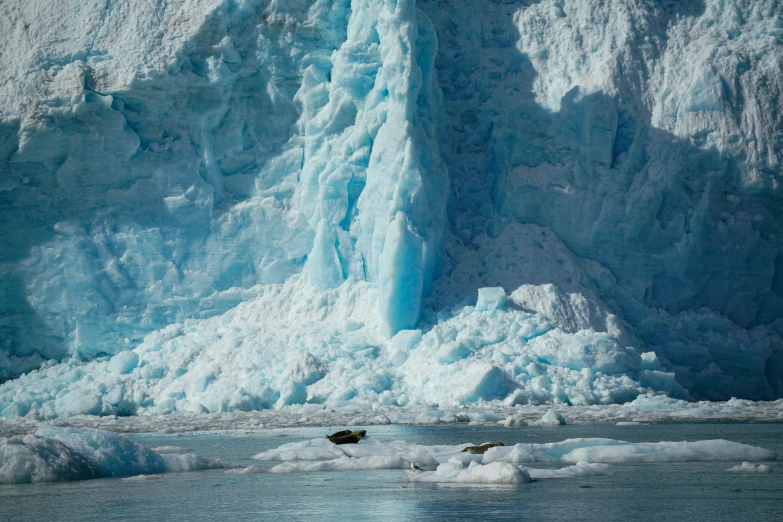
[60, 454]
[502, 464]
[216, 205]
[261, 355]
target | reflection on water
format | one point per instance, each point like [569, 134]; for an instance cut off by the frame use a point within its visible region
[674, 491]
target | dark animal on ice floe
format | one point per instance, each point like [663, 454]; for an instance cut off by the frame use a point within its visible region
[346, 437]
[480, 450]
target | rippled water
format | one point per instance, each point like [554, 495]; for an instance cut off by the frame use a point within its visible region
[693, 491]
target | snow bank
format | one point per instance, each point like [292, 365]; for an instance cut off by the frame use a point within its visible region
[60, 454]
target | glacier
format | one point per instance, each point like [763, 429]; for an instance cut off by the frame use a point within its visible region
[232, 205]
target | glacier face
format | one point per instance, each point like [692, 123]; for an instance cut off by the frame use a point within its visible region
[351, 171]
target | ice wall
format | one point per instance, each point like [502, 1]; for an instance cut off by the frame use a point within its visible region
[614, 166]
[148, 165]
[160, 160]
[373, 185]
[644, 135]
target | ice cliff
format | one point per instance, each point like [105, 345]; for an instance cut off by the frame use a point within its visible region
[222, 204]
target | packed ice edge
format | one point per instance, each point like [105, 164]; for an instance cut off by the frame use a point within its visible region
[389, 205]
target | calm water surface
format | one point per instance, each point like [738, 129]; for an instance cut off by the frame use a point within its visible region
[692, 491]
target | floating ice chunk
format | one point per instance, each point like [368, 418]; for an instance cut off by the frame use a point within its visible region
[513, 420]
[749, 467]
[141, 478]
[493, 298]
[580, 469]
[171, 449]
[499, 465]
[703, 450]
[551, 418]
[56, 454]
[36, 459]
[316, 449]
[323, 450]
[190, 462]
[454, 471]
[611, 450]
[250, 470]
[118, 455]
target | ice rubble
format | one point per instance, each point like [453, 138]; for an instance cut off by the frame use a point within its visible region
[642, 410]
[57, 454]
[217, 205]
[263, 355]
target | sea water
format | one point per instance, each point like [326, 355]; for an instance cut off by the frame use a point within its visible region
[694, 491]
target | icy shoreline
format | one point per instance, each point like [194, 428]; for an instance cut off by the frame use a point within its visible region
[643, 410]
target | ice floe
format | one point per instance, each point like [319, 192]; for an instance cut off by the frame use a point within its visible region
[499, 464]
[749, 467]
[58, 454]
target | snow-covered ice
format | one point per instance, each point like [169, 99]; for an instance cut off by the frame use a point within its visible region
[390, 205]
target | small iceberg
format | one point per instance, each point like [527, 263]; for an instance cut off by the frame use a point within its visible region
[62, 454]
